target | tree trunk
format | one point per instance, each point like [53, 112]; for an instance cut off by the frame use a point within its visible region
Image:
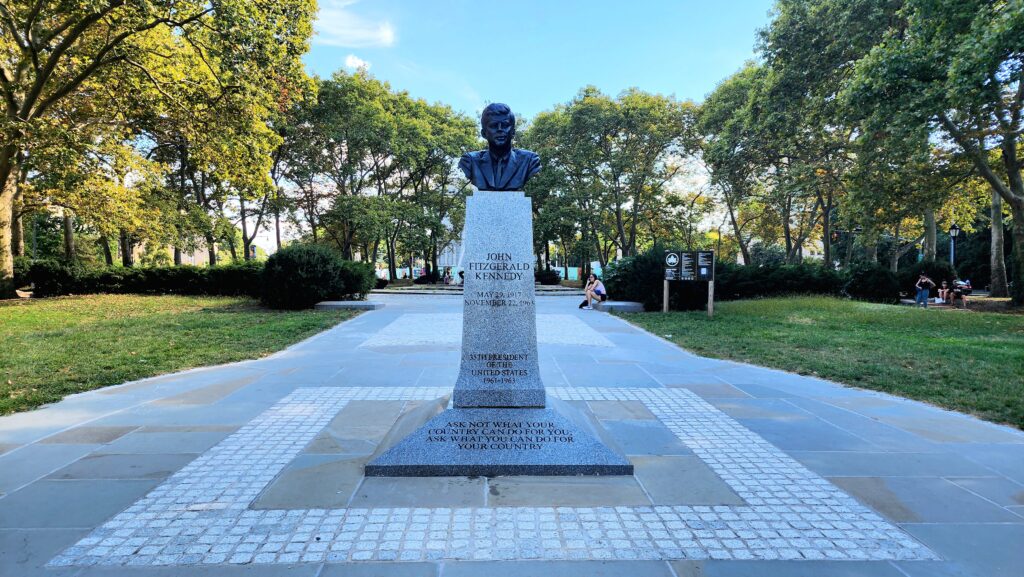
[108, 257]
[999, 287]
[848, 257]
[211, 249]
[894, 260]
[1017, 253]
[826, 231]
[69, 237]
[6, 211]
[127, 259]
[17, 227]
[177, 256]
[245, 229]
[930, 234]
[277, 226]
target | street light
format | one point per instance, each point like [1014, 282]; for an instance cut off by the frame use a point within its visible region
[954, 231]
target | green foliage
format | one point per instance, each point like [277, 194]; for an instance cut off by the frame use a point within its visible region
[937, 270]
[767, 255]
[874, 283]
[640, 279]
[358, 278]
[22, 264]
[236, 279]
[381, 283]
[301, 275]
[54, 278]
[744, 282]
[637, 278]
[547, 277]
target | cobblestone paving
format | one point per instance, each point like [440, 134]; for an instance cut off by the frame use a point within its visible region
[440, 329]
[200, 515]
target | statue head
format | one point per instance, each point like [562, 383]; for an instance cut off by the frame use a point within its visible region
[498, 125]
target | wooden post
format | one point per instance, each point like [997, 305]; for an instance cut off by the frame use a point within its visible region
[711, 299]
[664, 298]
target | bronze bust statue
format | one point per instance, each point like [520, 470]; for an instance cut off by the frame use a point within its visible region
[500, 167]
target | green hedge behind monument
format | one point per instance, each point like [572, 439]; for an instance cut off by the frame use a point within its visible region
[54, 278]
[639, 278]
[300, 274]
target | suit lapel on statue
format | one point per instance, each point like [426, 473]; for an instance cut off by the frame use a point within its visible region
[487, 170]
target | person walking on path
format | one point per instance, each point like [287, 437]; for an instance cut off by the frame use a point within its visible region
[595, 291]
[923, 286]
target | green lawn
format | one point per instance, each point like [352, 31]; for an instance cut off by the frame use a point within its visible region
[966, 361]
[55, 347]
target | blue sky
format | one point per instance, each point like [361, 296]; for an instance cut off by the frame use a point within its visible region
[534, 54]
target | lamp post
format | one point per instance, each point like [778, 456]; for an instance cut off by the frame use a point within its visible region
[954, 231]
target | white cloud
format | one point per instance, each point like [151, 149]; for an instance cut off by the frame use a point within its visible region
[352, 61]
[336, 25]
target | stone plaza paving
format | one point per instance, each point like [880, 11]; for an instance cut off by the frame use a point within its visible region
[255, 469]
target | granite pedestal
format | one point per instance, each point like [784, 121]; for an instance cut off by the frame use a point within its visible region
[499, 423]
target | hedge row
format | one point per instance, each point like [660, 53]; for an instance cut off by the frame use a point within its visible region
[640, 279]
[296, 277]
[52, 278]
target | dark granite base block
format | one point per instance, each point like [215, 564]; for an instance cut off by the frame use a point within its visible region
[496, 442]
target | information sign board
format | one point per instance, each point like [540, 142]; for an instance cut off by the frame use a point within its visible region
[705, 270]
[686, 265]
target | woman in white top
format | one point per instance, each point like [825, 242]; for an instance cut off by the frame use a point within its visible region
[595, 291]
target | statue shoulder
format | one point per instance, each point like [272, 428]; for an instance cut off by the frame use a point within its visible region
[529, 154]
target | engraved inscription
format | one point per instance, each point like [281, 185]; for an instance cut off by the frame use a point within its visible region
[499, 435]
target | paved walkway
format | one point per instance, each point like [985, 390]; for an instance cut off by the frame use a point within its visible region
[255, 469]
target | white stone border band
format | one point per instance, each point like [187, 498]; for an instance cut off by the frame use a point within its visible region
[201, 514]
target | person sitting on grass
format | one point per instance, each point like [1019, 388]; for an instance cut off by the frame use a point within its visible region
[944, 292]
[595, 291]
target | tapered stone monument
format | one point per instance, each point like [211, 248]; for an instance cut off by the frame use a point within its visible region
[500, 421]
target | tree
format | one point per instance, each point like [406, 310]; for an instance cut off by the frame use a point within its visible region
[733, 165]
[56, 53]
[956, 69]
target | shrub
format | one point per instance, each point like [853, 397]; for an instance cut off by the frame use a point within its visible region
[547, 277]
[428, 277]
[53, 278]
[22, 264]
[299, 276]
[637, 278]
[242, 279]
[744, 282]
[872, 282]
[381, 283]
[938, 271]
[358, 278]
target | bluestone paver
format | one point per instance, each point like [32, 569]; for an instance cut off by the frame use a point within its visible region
[259, 468]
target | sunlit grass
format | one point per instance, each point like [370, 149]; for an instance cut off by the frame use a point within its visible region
[55, 347]
[967, 361]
